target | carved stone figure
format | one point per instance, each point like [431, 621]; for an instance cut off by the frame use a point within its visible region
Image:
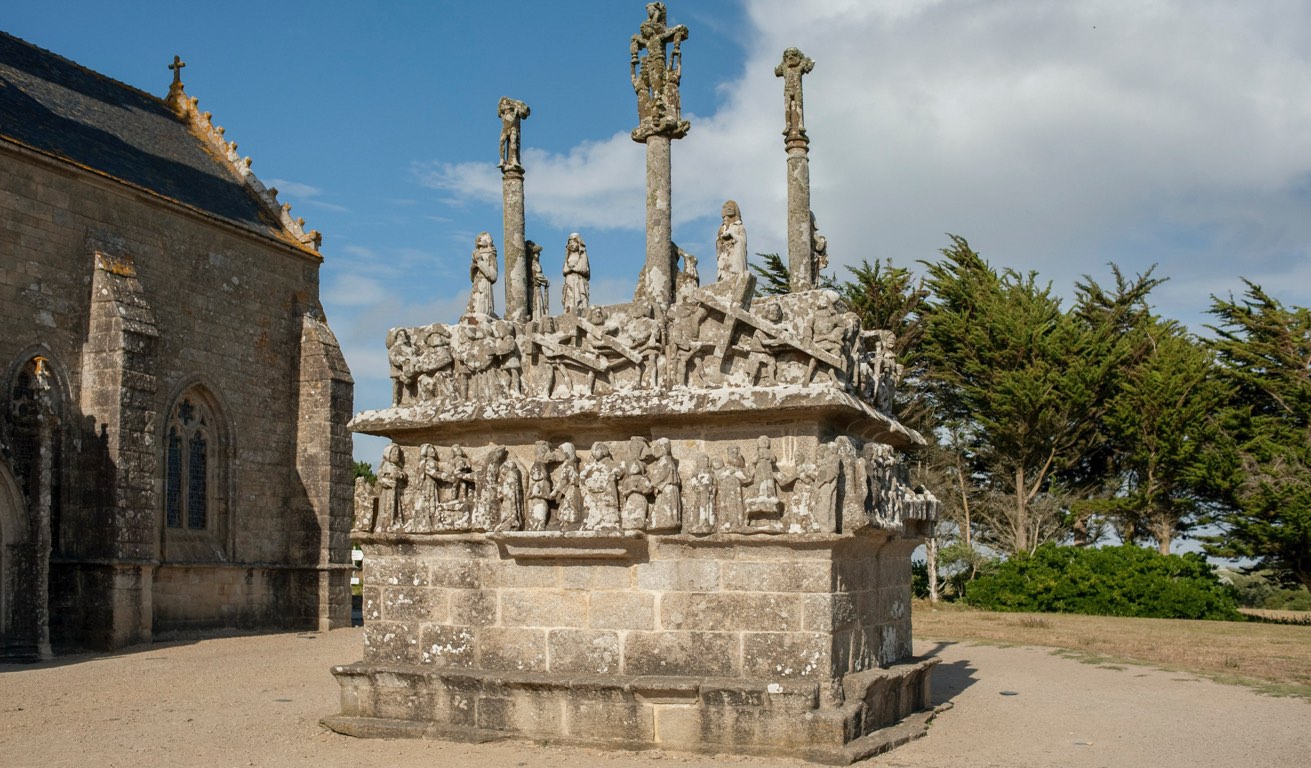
[509, 481]
[828, 473]
[487, 505]
[568, 494]
[434, 363]
[853, 489]
[731, 243]
[427, 477]
[800, 515]
[600, 478]
[794, 65]
[685, 345]
[635, 487]
[391, 489]
[645, 337]
[732, 479]
[511, 112]
[401, 357]
[577, 273]
[818, 248]
[667, 509]
[540, 285]
[462, 474]
[765, 478]
[655, 80]
[539, 497]
[483, 274]
[702, 496]
[365, 497]
[688, 279]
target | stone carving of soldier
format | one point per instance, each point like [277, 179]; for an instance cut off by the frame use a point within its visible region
[577, 272]
[731, 243]
[511, 112]
[482, 272]
[599, 478]
[433, 366]
[645, 337]
[391, 489]
[540, 285]
[667, 509]
[401, 358]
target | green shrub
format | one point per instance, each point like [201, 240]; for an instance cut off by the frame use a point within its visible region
[1107, 581]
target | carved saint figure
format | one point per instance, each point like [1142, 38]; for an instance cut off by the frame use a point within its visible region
[732, 478]
[800, 516]
[794, 65]
[391, 489]
[577, 272]
[764, 481]
[509, 481]
[540, 285]
[462, 475]
[688, 279]
[701, 494]
[731, 243]
[599, 477]
[655, 80]
[483, 274]
[511, 111]
[568, 496]
[427, 476]
[486, 506]
[667, 509]
[634, 488]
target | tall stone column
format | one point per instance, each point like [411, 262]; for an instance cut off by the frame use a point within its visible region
[655, 81]
[801, 257]
[658, 275]
[517, 304]
[518, 281]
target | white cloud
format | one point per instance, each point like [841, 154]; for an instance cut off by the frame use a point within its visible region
[294, 188]
[1055, 136]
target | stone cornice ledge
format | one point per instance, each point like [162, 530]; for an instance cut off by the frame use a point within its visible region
[642, 405]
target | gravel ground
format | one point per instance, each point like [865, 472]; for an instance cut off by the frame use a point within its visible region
[256, 701]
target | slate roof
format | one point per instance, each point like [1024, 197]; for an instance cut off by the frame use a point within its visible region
[56, 106]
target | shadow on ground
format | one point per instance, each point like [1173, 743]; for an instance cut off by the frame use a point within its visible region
[950, 678]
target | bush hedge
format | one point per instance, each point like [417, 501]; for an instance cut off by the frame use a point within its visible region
[1106, 581]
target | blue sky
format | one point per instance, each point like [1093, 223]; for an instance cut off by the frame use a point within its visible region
[1055, 136]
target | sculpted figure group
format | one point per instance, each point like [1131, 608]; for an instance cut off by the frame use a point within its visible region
[714, 336]
[638, 485]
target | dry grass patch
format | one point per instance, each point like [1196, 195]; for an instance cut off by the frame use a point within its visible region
[1274, 658]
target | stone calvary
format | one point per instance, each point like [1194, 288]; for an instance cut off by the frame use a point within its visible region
[683, 522]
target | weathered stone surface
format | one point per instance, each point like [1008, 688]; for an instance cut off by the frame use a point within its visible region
[583, 651]
[512, 649]
[787, 654]
[730, 611]
[473, 607]
[811, 576]
[543, 608]
[447, 646]
[622, 610]
[681, 653]
[680, 575]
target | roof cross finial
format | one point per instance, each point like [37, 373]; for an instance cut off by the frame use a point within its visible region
[177, 66]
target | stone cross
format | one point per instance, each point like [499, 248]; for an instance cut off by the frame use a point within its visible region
[655, 81]
[801, 259]
[177, 66]
[794, 65]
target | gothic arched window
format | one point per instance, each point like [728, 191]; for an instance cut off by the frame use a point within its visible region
[188, 446]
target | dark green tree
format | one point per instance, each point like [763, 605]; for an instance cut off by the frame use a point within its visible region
[365, 470]
[1265, 351]
[1162, 426]
[773, 277]
[1025, 384]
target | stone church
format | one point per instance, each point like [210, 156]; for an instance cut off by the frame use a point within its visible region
[173, 406]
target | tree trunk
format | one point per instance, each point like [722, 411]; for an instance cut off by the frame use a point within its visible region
[931, 561]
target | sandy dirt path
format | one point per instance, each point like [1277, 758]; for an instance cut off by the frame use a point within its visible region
[256, 701]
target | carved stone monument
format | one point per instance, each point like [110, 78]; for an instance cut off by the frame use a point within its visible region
[683, 522]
